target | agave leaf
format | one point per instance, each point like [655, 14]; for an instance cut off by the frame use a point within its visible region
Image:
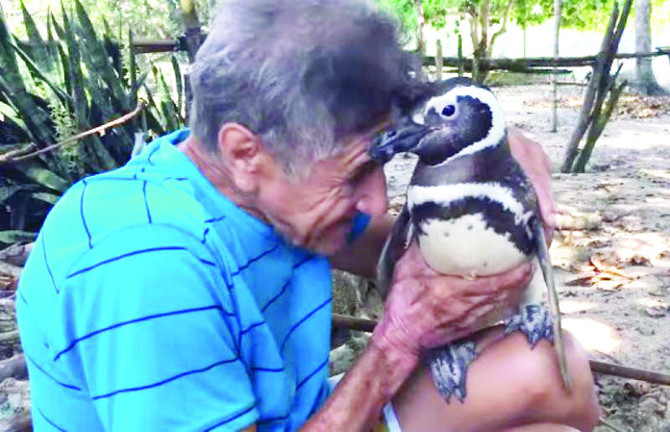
[36, 119]
[37, 73]
[155, 123]
[16, 236]
[172, 117]
[67, 73]
[8, 62]
[6, 192]
[57, 28]
[76, 75]
[97, 61]
[132, 69]
[178, 81]
[48, 198]
[51, 42]
[108, 34]
[9, 114]
[44, 177]
[141, 82]
[145, 129]
[105, 160]
[100, 98]
[37, 48]
[168, 112]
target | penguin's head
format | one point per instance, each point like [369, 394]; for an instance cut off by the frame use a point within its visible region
[454, 118]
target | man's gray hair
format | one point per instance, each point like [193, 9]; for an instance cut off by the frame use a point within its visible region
[301, 74]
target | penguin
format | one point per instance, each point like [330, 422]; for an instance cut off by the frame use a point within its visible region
[472, 211]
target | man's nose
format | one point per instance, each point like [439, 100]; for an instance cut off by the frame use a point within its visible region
[372, 197]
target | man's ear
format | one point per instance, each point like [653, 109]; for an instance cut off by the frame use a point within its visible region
[243, 154]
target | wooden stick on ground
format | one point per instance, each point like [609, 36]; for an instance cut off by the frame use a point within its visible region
[16, 254]
[14, 367]
[19, 423]
[367, 325]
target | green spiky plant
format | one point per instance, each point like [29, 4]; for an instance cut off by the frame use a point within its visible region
[55, 87]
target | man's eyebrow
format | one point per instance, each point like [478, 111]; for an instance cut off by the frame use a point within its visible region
[363, 169]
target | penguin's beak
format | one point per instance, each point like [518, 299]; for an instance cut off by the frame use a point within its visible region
[402, 138]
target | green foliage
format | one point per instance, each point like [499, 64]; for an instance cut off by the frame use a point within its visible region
[488, 19]
[55, 87]
[145, 18]
[577, 14]
[435, 12]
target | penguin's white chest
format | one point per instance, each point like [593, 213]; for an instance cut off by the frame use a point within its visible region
[467, 246]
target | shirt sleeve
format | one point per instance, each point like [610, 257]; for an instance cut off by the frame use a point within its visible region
[153, 333]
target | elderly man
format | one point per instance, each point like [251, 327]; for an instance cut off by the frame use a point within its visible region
[190, 290]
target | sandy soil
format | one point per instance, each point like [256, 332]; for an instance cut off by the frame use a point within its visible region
[612, 251]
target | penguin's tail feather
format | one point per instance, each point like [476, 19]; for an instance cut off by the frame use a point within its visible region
[548, 274]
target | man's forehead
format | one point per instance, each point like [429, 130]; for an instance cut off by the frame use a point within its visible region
[361, 142]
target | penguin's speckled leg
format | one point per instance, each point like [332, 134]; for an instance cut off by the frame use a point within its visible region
[449, 366]
[533, 321]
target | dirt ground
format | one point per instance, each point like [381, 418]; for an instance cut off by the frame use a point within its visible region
[612, 251]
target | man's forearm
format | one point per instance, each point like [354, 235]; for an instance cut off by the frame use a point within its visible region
[358, 399]
[361, 257]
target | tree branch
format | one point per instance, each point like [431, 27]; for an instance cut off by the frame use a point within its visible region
[12, 156]
[503, 28]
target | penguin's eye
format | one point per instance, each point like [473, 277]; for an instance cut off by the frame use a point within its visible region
[449, 110]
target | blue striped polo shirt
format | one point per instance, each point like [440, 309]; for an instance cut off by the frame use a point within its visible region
[150, 302]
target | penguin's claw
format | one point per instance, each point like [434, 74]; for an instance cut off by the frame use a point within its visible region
[449, 366]
[534, 321]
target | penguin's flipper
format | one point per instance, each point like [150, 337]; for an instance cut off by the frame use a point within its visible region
[548, 274]
[449, 367]
[394, 248]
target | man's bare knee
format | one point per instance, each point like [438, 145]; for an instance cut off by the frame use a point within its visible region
[544, 427]
[510, 378]
[546, 394]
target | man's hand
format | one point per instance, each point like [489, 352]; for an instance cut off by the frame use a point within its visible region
[537, 167]
[426, 309]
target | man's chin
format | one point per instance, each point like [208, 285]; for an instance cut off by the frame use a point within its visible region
[329, 246]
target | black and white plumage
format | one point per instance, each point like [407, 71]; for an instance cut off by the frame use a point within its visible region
[472, 211]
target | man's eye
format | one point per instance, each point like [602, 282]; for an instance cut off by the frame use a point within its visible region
[363, 172]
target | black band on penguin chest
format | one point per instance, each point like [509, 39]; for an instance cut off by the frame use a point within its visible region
[494, 214]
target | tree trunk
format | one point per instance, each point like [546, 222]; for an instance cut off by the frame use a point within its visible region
[421, 21]
[592, 116]
[461, 62]
[645, 82]
[439, 61]
[554, 75]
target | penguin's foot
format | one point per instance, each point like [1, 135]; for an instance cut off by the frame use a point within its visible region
[534, 321]
[448, 367]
